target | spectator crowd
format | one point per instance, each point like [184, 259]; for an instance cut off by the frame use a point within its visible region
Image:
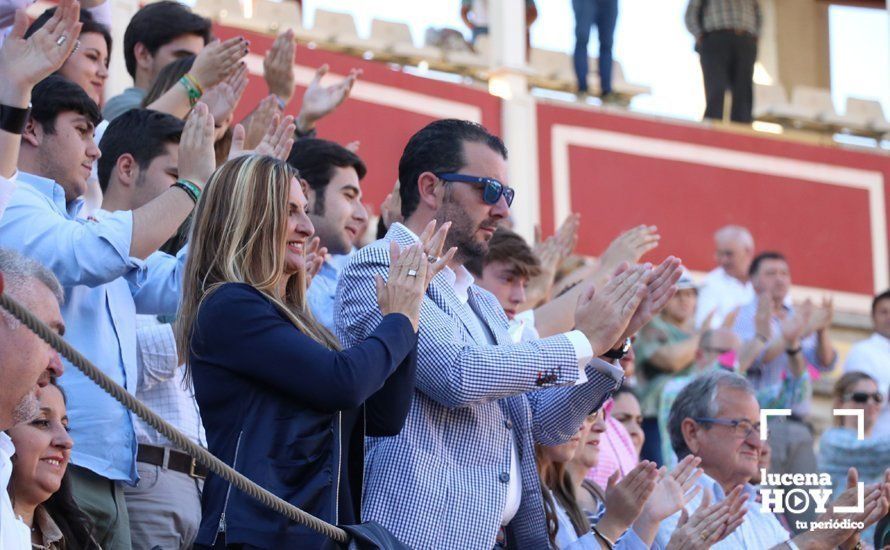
[447, 385]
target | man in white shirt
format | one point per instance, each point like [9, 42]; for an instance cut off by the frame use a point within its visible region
[726, 288]
[717, 418]
[872, 356]
[26, 365]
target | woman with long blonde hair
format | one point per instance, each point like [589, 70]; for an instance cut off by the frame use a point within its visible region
[281, 402]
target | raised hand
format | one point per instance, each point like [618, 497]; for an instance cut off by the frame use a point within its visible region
[763, 317]
[673, 491]
[196, 156]
[630, 246]
[315, 255]
[25, 62]
[625, 499]
[319, 101]
[875, 506]
[603, 315]
[793, 326]
[276, 142]
[821, 317]
[433, 241]
[259, 121]
[710, 523]
[278, 66]
[660, 286]
[223, 98]
[218, 60]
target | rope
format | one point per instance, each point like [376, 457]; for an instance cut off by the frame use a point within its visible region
[197, 452]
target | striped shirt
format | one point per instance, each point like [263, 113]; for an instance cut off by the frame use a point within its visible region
[704, 16]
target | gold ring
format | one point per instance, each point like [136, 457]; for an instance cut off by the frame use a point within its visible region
[704, 535]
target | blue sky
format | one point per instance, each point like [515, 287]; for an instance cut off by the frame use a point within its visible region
[653, 46]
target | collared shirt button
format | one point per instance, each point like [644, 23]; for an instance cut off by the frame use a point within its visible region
[508, 424]
[504, 477]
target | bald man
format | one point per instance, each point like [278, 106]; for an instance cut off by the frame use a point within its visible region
[727, 287]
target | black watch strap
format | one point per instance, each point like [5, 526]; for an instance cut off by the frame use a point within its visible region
[13, 119]
[620, 352]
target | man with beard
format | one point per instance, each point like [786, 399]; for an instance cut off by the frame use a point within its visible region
[26, 365]
[333, 173]
[461, 474]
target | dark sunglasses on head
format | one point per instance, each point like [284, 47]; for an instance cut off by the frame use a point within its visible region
[492, 189]
[863, 397]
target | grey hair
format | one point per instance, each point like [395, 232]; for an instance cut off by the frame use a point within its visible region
[699, 400]
[736, 233]
[19, 274]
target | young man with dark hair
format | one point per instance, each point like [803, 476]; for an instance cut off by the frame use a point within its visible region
[333, 173]
[140, 157]
[505, 271]
[109, 272]
[477, 400]
[872, 356]
[156, 35]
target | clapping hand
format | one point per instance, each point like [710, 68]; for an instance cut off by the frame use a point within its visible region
[25, 62]
[319, 101]
[218, 60]
[197, 160]
[223, 98]
[875, 506]
[276, 142]
[674, 490]
[660, 286]
[410, 271]
[278, 66]
[820, 317]
[551, 253]
[630, 246]
[710, 523]
[603, 315]
[315, 256]
[625, 499]
[259, 121]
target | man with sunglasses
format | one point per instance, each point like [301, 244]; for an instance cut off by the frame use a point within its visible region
[461, 474]
[717, 418]
[872, 356]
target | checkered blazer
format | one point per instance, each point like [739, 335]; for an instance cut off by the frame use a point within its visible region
[442, 482]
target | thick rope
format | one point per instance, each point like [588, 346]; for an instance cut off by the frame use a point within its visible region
[195, 451]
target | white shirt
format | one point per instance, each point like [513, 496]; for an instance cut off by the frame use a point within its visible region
[872, 356]
[6, 189]
[14, 535]
[479, 13]
[721, 293]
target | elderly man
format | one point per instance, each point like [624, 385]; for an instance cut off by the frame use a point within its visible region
[717, 418]
[26, 365]
[727, 287]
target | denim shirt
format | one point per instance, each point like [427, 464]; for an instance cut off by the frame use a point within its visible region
[104, 289]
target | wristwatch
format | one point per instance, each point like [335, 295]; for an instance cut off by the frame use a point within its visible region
[14, 119]
[619, 352]
[793, 351]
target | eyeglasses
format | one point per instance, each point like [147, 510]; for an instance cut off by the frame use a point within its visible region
[492, 189]
[741, 428]
[862, 397]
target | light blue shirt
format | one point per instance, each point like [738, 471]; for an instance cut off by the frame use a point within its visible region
[323, 289]
[758, 530]
[104, 290]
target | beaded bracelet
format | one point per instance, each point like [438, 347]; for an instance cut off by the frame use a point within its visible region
[194, 92]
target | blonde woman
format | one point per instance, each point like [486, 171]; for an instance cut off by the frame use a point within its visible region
[281, 402]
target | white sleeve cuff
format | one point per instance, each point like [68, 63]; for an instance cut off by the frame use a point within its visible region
[583, 352]
[613, 370]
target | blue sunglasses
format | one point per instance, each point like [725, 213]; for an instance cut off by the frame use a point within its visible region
[492, 189]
